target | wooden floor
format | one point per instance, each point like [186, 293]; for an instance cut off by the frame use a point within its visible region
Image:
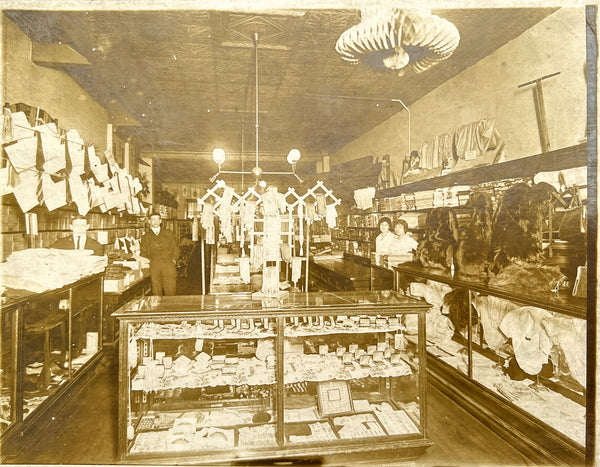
[86, 433]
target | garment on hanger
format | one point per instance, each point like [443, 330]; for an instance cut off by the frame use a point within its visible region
[570, 334]
[286, 253]
[296, 268]
[530, 340]
[310, 213]
[321, 202]
[55, 194]
[225, 212]
[257, 256]
[270, 202]
[491, 311]
[474, 139]
[281, 203]
[245, 269]
[364, 197]
[208, 223]
[331, 216]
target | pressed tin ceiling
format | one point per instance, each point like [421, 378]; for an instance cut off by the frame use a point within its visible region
[188, 76]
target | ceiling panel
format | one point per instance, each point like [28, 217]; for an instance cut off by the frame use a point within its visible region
[168, 68]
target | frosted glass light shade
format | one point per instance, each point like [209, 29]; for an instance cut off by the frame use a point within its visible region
[293, 156]
[218, 155]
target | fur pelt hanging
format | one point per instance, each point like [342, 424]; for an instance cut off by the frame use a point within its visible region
[436, 250]
[474, 242]
[517, 232]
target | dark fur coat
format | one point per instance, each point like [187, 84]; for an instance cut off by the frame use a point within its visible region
[436, 250]
[474, 242]
[516, 247]
[519, 220]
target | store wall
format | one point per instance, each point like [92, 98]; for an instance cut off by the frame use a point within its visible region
[52, 90]
[488, 89]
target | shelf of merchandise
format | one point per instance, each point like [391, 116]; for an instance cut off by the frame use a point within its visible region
[559, 159]
[50, 344]
[547, 418]
[207, 379]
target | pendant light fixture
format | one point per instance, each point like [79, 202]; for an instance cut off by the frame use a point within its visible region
[219, 154]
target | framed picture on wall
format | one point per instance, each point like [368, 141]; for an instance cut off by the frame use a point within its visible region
[184, 191]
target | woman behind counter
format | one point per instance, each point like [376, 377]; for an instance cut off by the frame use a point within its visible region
[398, 246]
[385, 241]
[404, 244]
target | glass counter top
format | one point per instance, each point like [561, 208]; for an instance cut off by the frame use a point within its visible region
[151, 305]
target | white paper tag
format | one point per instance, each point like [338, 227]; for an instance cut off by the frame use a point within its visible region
[470, 155]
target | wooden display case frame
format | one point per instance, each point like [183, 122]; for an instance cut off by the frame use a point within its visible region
[536, 439]
[23, 430]
[210, 307]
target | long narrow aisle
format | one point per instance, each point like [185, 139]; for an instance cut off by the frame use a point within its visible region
[87, 433]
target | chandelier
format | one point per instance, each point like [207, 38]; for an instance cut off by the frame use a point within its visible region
[399, 38]
[219, 153]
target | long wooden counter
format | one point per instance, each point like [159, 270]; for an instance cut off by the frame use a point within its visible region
[347, 274]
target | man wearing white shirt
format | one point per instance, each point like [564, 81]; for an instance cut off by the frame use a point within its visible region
[79, 239]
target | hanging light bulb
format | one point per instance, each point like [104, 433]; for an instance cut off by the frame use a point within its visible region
[218, 155]
[293, 156]
[257, 172]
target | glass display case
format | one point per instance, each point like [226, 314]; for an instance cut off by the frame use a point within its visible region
[514, 358]
[48, 341]
[220, 377]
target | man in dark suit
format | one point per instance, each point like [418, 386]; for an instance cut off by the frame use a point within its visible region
[79, 240]
[160, 247]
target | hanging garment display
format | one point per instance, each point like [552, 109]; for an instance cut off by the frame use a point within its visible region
[26, 190]
[530, 340]
[272, 238]
[270, 202]
[248, 215]
[208, 223]
[225, 212]
[79, 194]
[286, 252]
[257, 256]
[331, 216]
[296, 268]
[473, 139]
[54, 193]
[96, 198]
[245, 269]
[570, 334]
[301, 227]
[281, 203]
[76, 151]
[364, 197]
[321, 202]
[491, 311]
[53, 147]
[22, 153]
[310, 213]
[272, 225]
